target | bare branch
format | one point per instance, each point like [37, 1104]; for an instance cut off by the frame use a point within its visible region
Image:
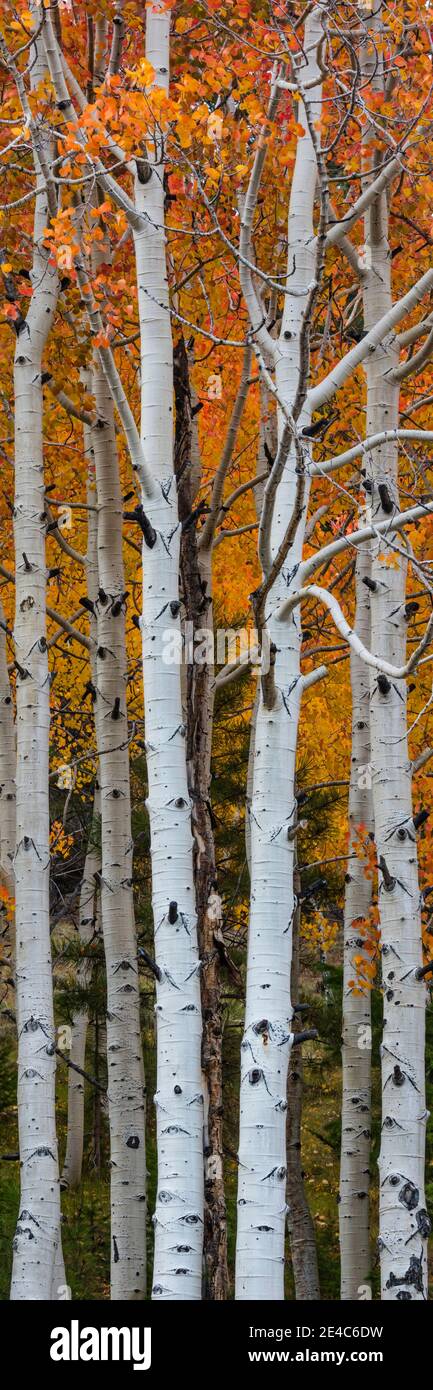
[208, 532]
[331, 603]
[336, 378]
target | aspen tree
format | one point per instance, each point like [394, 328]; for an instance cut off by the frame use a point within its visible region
[89, 928]
[126, 1091]
[403, 1220]
[179, 1098]
[37, 1235]
[303, 1248]
[354, 1211]
[356, 1051]
[178, 1216]
[196, 558]
[89, 907]
[7, 765]
[268, 1034]
[196, 591]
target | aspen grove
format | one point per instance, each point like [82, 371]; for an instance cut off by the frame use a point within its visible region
[216, 628]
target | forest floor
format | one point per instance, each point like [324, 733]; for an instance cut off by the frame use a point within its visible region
[86, 1213]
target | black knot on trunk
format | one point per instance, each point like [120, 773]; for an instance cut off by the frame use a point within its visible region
[383, 684]
[423, 1223]
[386, 499]
[118, 604]
[172, 913]
[87, 603]
[388, 881]
[409, 1196]
[398, 1077]
[410, 609]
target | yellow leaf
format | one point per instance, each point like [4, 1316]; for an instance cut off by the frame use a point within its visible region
[184, 132]
[215, 125]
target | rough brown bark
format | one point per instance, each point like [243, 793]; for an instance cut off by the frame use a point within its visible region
[197, 600]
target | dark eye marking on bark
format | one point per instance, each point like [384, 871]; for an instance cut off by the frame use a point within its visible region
[383, 684]
[279, 1173]
[413, 1276]
[423, 1223]
[386, 499]
[42, 1152]
[409, 1196]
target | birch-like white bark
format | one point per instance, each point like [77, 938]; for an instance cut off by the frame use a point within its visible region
[8, 755]
[38, 1227]
[178, 1216]
[268, 1036]
[89, 927]
[403, 1221]
[89, 908]
[299, 1220]
[353, 1208]
[196, 590]
[265, 454]
[126, 1090]
[8, 759]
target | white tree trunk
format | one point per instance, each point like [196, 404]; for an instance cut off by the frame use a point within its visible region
[8, 755]
[126, 1091]
[303, 1248]
[196, 590]
[179, 1100]
[89, 927]
[403, 1221]
[356, 1051]
[354, 1213]
[268, 1037]
[89, 909]
[266, 452]
[38, 1227]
